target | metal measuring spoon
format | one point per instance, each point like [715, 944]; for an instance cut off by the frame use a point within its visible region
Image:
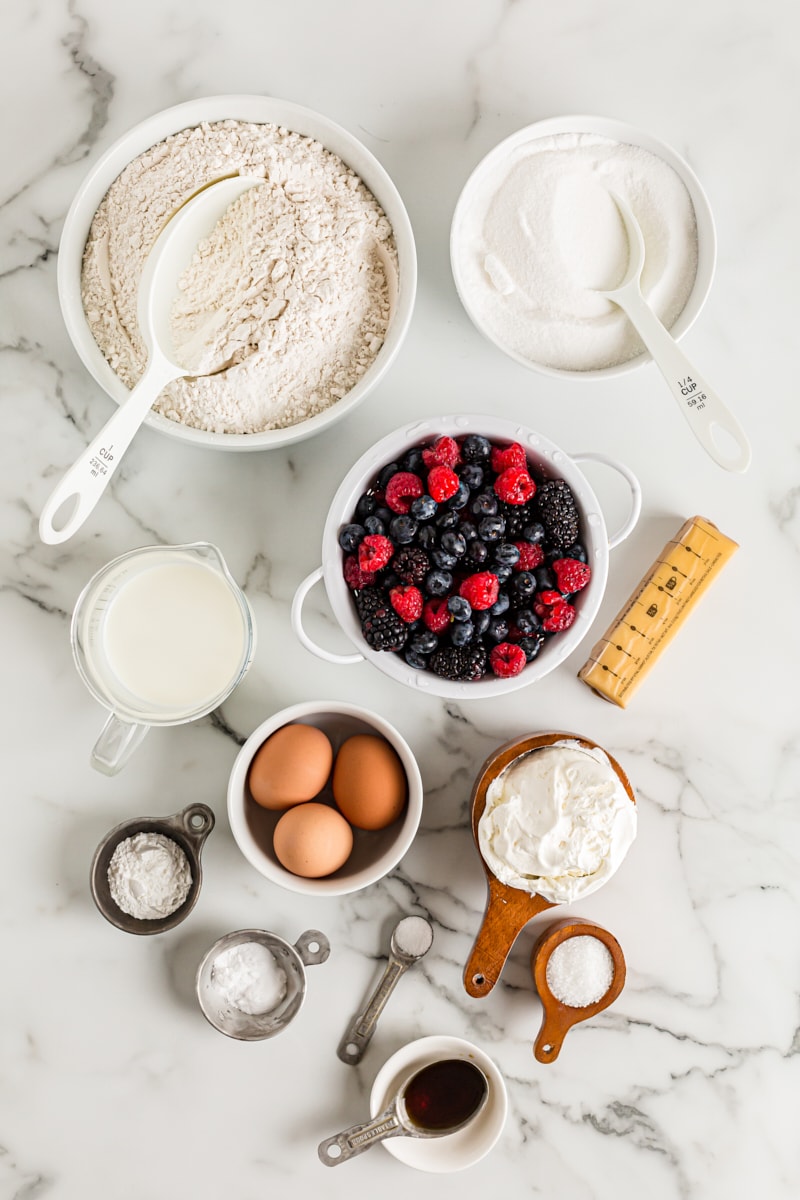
[436, 1100]
[412, 938]
[172, 252]
[700, 405]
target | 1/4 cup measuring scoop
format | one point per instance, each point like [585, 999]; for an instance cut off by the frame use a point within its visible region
[412, 938]
[700, 405]
[172, 252]
[558, 1015]
[509, 909]
[436, 1100]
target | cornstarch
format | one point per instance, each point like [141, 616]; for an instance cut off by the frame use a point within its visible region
[287, 302]
[149, 876]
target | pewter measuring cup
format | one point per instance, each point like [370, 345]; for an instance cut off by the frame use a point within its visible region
[412, 938]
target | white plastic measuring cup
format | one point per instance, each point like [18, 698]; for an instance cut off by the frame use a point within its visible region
[160, 636]
[172, 252]
[699, 404]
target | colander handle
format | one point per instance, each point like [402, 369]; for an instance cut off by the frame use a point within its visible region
[633, 483]
[297, 624]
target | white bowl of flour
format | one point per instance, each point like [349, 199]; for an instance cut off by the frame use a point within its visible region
[320, 274]
[536, 236]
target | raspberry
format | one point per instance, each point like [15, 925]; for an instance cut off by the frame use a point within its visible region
[442, 483]
[544, 601]
[481, 590]
[374, 552]
[506, 660]
[515, 486]
[436, 614]
[508, 456]
[354, 577]
[571, 574]
[561, 617]
[401, 489]
[406, 602]
[531, 555]
[443, 453]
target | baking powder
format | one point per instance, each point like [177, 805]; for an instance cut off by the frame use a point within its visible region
[543, 236]
[149, 876]
[248, 977]
[297, 280]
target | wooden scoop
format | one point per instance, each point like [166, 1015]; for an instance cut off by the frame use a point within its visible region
[508, 909]
[559, 1018]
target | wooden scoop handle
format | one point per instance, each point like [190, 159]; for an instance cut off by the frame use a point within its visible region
[508, 911]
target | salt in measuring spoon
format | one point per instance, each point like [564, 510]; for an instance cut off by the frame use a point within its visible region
[172, 252]
[699, 404]
[412, 938]
[436, 1100]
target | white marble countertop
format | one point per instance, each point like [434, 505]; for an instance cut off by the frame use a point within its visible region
[113, 1084]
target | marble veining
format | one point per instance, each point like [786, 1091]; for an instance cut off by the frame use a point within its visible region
[687, 1087]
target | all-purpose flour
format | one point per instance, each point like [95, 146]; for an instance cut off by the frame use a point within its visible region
[543, 236]
[288, 301]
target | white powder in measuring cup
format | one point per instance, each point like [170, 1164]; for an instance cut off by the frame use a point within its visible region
[301, 275]
[542, 234]
[149, 876]
[247, 976]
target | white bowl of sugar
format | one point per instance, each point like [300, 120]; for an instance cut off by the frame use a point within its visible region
[536, 236]
[327, 285]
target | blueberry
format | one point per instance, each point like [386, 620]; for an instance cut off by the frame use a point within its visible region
[454, 543]
[403, 530]
[412, 461]
[524, 584]
[427, 537]
[459, 499]
[578, 552]
[390, 580]
[350, 536]
[415, 659]
[423, 508]
[440, 558]
[477, 552]
[475, 448]
[424, 642]
[502, 572]
[386, 474]
[366, 506]
[468, 530]
[527, 621]
[447, 520]
[462, 634]
[491, 529]
[384, 514]
[545, 579]
[531, 646]
[534, 533]
[484, 504]
[438, 583]
[459, 608]
[497, 630]
[481, 622]
[472, 475]
[500, 605]
[506, 553]
[374, 524]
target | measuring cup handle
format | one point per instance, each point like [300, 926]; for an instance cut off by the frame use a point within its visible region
[117, 742]
[297, 624]
[633, 483]
[358, 1034]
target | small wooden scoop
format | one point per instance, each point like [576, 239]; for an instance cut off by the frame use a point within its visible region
[559, 1018]
[508, 909]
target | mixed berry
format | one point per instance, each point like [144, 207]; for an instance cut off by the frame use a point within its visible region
[464, 559]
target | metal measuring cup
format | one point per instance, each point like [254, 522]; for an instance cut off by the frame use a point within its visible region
[189, 828]
[311, 947]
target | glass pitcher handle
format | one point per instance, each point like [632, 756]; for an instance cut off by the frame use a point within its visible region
[117, 742]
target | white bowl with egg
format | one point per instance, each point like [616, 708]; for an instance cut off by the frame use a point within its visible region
[375, 852]
[538, 331]
[258, 110]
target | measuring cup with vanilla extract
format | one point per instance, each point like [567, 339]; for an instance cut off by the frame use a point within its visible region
[160, 636]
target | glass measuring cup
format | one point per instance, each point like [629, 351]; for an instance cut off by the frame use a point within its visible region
[160, 636]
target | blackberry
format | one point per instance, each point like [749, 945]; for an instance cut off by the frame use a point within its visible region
[411, 565]
[467, 663]
[369, 600]
[517, 517]
[384, 630]
[557, 512]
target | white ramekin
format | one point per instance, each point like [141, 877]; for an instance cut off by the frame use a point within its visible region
[546, 455]
[495, 164]
[261, 110]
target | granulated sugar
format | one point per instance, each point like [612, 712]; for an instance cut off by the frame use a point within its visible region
[300, 275]
[580, 971]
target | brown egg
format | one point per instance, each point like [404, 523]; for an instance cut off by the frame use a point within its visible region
[312, 840]
[369, 783]
[292, 766]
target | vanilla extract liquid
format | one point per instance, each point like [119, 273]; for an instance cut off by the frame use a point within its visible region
[445, 1094]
